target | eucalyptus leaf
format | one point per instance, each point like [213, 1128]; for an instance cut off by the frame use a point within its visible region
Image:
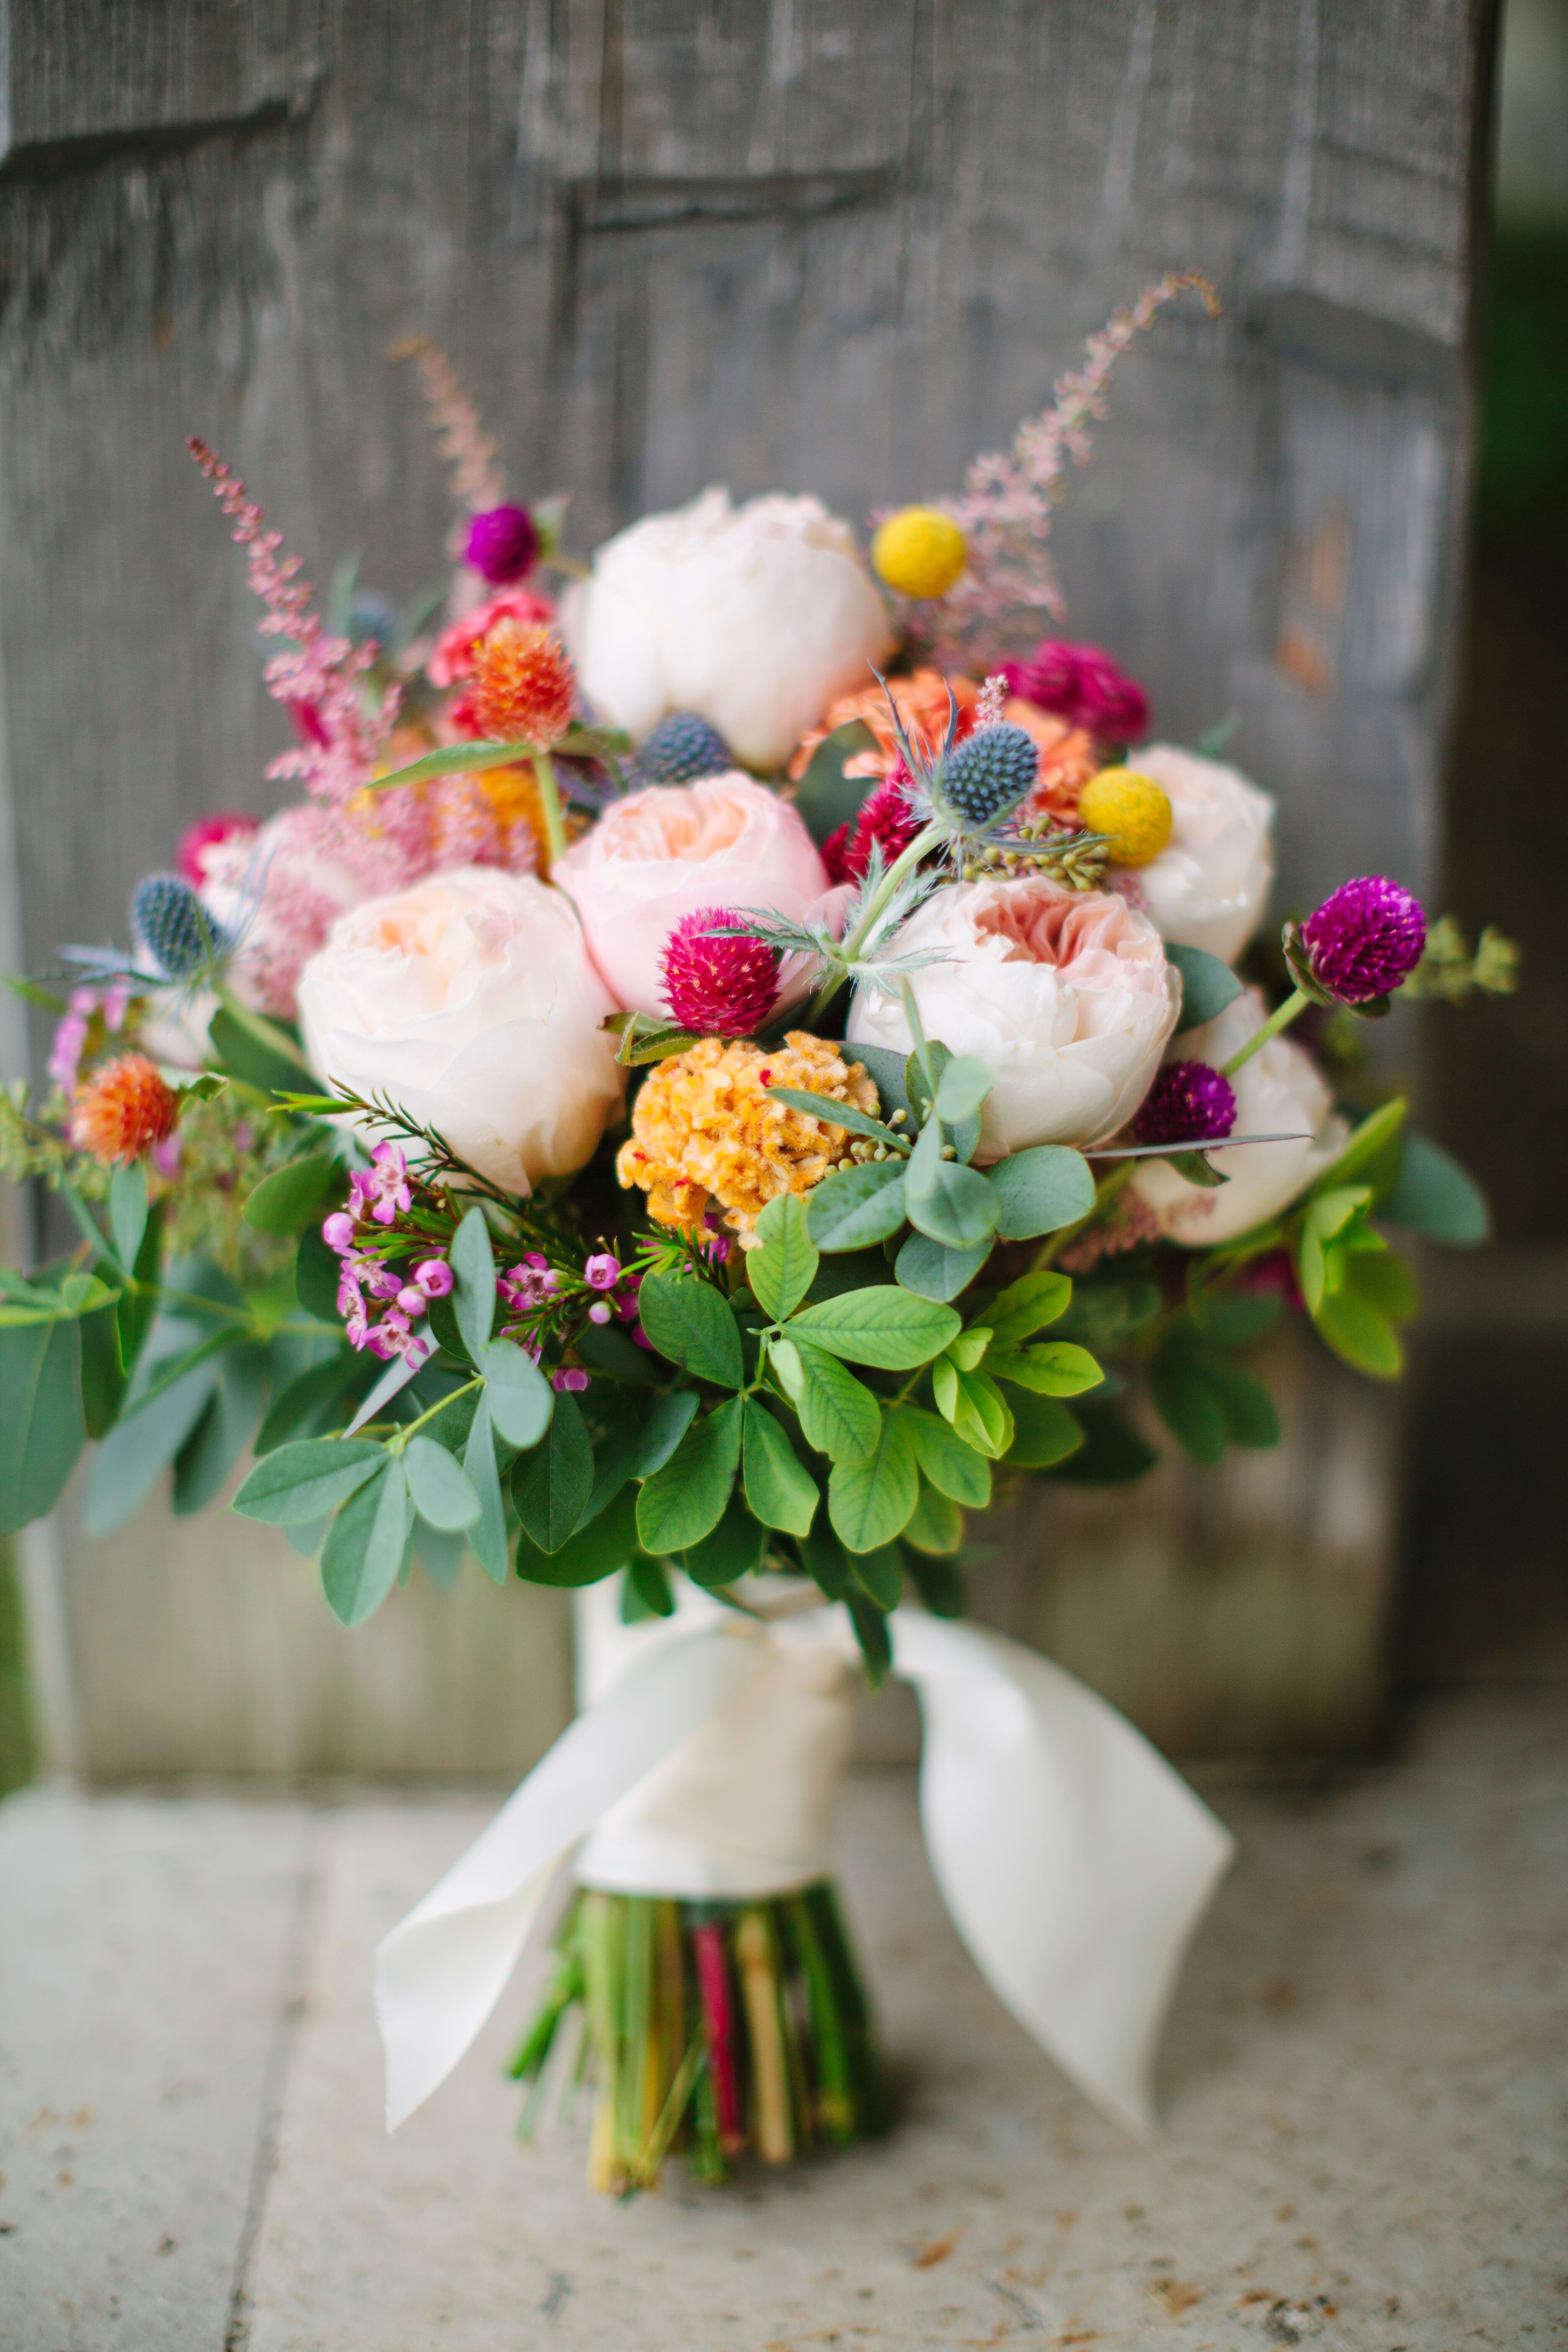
[961, 1088]
[487, 1536]
[284, 1202]
[128, 1210]
[520, 1399]
[129, 1463]
[948, 1203]
[305, 1480]
[887, 1070]
[1434, 1195]
[859, 1206]
[473, 1292]
[204, 1463]
[1040, 1191]
[1207, 985]
[41, 1427]
[931, 1271]
[309, 1393]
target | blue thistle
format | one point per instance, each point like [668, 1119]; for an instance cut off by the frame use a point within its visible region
[986, 777]
[174, 928]
[681, 748]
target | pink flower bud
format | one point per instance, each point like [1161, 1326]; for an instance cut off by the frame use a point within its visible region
[338, 1233]
[434, 1278]
[411, 1299]
[599, 1312]
[603, 1272]
[571, 1379]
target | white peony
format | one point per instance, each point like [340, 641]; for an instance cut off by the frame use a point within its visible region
[469, 1001]
[1066, 997]
[1280, 1092]
[756, 616]
[1209, 885]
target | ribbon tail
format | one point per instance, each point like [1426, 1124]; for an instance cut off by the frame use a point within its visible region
[1075, 1864]
[440, 1971]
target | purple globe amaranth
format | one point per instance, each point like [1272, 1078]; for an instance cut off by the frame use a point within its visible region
[1365, 939]
[1190, 1103]
[503, 544]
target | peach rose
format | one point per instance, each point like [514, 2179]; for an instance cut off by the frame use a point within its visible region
[666, 851]
[469, 1001]
[1065, 996]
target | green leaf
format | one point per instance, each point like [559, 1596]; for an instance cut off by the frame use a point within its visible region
[284, 1202]
[961, 1088]
[103, 1375]
[936, 1523]
[1434, 1195]
[1233, 1318]
[1366, 1143]
[1195, 1168]
[1207, 985]
[681, 1503]
[665, 1423]
[521, 1401]
[1026, 1306]
[551, 1485]
[617, 1439]
[1187, 1404]
[129, 1463]
[1057, 1368]
[646, 1580]
[441, 1553]
[825, 1559]
[931, 1271]
[1251, 1418]
[869, 1501]
[880, 1576]
[487, 1537]
[939, 1582]
[783, 1266]
[473, 1281]
[317, 1272]
[826, 797]
[128, 1210]
[887, 1069]
[840, 1114]
[41, 1427]
[204, 1463]
[780, 1489]
[838, 1414]
[871, 1633]
[1040, 1191]
[859, 1207]
[308, 1393]
[304, 1481]
[442, 1494]
[256, 1051]
[687, 1321]
[1111, 1314]
[1382, 1280]
[951, 1203]
[862, 1269]
[890, 1327]
[954, 1468]
[1043, 1434]
[365, 1546]
[975, 1406]
[1112, 1452]
[605, 1347]
[138, 1308]
[606, 1544]
[729, 1551]
[1366, 1340]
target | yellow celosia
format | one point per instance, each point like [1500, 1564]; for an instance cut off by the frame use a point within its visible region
[706, 1129]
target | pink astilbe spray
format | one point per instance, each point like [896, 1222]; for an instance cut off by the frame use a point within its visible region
[477, 482]
[1005, 508]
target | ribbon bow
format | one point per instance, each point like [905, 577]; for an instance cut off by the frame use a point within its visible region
[1075, 1864]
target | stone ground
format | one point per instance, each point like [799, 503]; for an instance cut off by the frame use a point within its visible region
[1365, 2087]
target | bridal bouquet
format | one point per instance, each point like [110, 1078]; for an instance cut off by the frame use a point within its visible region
[736, 1055]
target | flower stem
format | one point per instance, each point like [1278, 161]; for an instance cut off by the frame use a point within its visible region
[549, 803]
[1281, 1018]
[399, 1444]
[905, 863]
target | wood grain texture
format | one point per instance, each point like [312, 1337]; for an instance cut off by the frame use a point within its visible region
[798, 244]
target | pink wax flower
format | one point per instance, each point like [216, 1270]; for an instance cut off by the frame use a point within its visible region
[1082, 685]
[434, 1278]
[453, 659]
[338, 1233]
[381, 1189]
[600, 1311]
[602, 1272]
[570, 1381]
[209, 833]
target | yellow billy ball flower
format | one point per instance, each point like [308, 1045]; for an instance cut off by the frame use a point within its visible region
[1132, 809]
[919, 552]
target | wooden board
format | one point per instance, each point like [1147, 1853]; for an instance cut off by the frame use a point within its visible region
[792, 243]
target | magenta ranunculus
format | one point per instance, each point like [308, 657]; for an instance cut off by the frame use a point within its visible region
[1365, 939]
[1082, 685]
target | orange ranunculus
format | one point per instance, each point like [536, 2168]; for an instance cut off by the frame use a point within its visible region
[922, 704]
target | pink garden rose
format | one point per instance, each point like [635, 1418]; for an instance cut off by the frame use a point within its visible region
[666, 852]
[1065, 996]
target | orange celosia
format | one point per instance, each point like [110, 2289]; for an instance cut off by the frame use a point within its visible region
[706, 1131]
[523, 688]
[125, 1107]
[922, 704]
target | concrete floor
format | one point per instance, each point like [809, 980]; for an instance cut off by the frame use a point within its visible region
[1364, 2081]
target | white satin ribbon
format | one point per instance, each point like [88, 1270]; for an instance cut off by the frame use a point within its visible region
[1074, 1861]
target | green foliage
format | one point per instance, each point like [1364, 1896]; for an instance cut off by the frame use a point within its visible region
[663, 1425]
[879, 1575]
[826, 797]
[284, 1202]
[953, 1466]
[297, 1482]
[889, 1327]
[685, 1501]
[521, 1403]
[442, 1492]
[859, 1206]
[41, 1426]
[1434, 1195]
[1040, 1191]
[782, 1267]
[936, 1523]
[367, 1543]
[1112, 1453]
[975, 1406]
[779, 1490]
[486, 1536]
[731, 1549]
[931, 1271]
[606, 1544]
[551, 1485]
[838, 1414]
[687, 1320]
[473, 1281]
[947, 1201]
[1058, 1368]
[938, 1581]
[869, 1501]
[1044, 1433]
[1207, 985]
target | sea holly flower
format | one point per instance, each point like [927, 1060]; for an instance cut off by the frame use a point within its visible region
[681, 750]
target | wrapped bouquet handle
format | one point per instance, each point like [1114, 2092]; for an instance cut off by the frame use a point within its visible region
[1074, 1861]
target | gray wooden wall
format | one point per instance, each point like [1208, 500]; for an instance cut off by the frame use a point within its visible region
[811, 244]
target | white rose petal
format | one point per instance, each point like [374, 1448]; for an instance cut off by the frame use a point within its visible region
[755, 616]
[1280, 1092]
[469, 1001]
[1066, 998]
[1209, 885]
